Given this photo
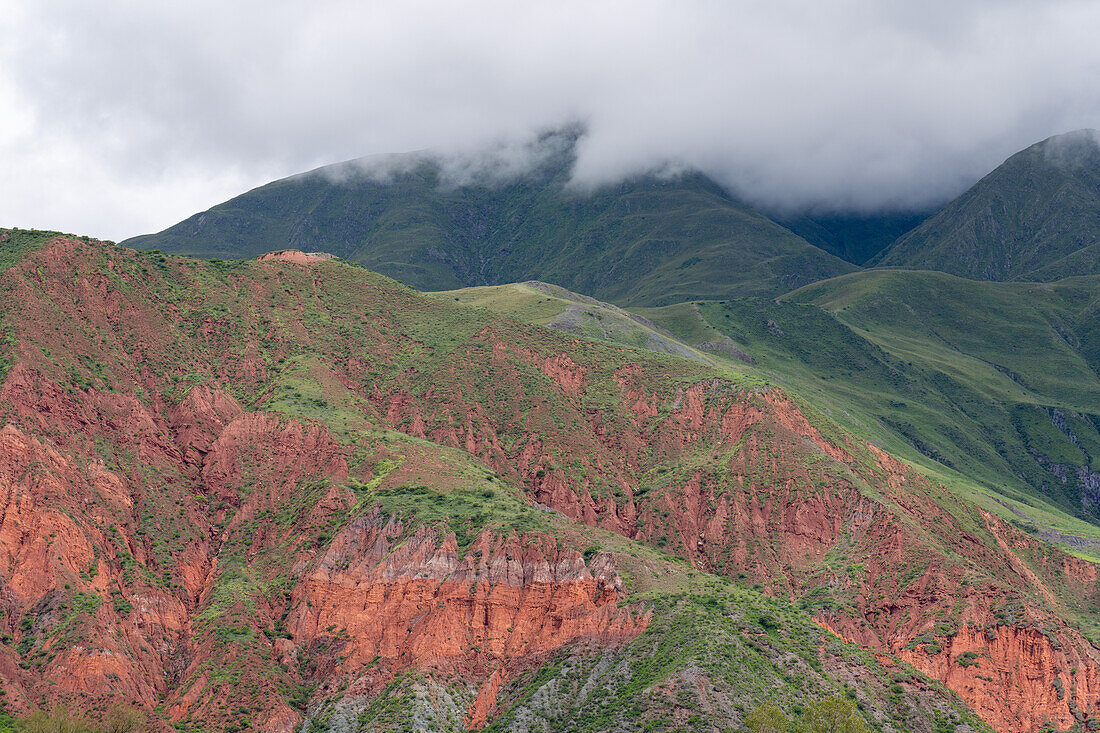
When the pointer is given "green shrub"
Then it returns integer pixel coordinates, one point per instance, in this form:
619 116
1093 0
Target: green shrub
768 622
118 719
767 718
832 715
967 659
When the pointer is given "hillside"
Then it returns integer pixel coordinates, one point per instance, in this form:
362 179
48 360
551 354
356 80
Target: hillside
243 495
1036 217
561 310
990 386
853 237
649 240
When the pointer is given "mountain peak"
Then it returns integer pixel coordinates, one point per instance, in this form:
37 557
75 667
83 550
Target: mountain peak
1033 218
1071 151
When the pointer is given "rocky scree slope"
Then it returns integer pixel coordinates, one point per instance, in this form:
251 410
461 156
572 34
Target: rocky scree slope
251 493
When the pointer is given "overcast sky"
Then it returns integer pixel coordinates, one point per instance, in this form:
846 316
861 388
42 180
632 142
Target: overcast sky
120 117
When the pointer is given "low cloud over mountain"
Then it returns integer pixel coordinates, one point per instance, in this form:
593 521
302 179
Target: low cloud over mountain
126 117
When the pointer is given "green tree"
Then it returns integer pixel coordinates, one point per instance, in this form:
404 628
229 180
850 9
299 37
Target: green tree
833 715
767 718
58 720
124 719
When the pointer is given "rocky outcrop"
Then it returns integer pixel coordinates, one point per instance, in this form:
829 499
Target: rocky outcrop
1018 679
296 256
422 603
392 603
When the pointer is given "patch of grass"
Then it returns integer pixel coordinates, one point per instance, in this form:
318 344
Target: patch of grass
466 512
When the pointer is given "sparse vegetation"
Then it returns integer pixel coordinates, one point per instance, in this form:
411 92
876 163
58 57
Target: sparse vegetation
117 719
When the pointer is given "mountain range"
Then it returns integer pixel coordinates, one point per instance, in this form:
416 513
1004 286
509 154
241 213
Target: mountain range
651 239
645 458
648 240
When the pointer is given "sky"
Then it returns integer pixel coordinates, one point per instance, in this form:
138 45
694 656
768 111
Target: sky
122 117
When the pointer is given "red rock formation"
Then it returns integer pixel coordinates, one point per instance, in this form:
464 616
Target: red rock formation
1016 679
296 256
419 603
49 556
505 603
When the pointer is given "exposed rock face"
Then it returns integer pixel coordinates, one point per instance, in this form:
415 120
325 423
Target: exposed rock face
503 605
1014 678
405 601
502 599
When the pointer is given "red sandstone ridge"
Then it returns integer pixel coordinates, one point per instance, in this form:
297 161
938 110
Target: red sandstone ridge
296 256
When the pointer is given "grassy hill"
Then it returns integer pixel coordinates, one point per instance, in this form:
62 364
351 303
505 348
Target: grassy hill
648 240
557 308
1036 217
989 382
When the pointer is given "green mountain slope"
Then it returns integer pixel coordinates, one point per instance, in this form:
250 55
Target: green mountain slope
995 381
1036 217
557 308
853 237
648 240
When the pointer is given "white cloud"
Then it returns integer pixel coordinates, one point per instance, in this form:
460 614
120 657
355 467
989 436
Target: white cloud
126 116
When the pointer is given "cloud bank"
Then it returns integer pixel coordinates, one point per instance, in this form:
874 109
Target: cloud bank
124 117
